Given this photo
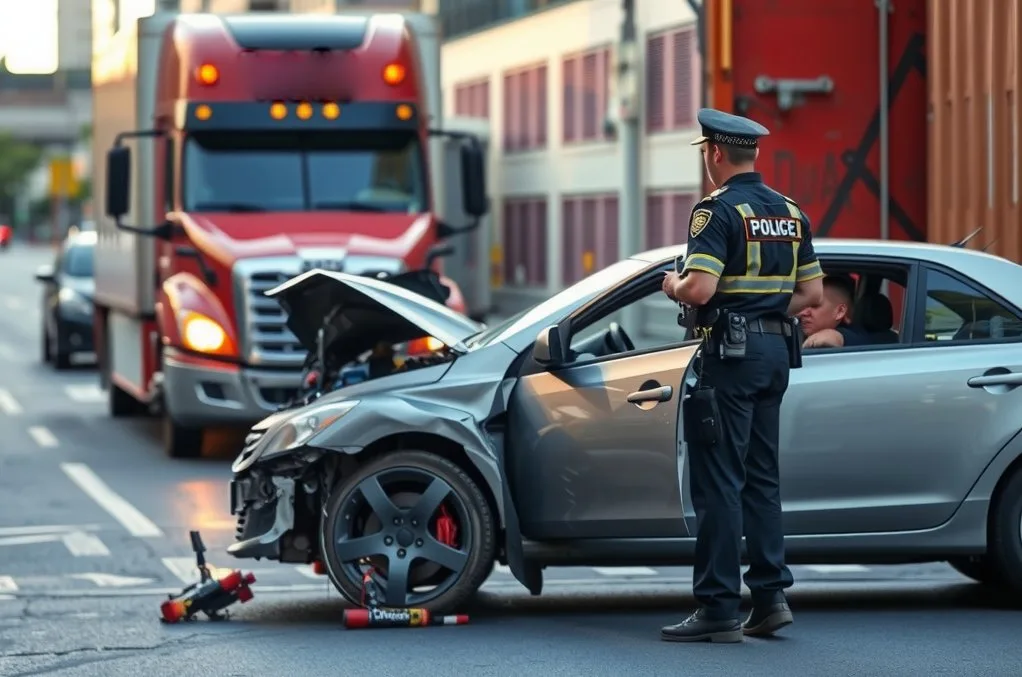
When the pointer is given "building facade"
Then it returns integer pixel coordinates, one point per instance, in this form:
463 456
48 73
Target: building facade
544 80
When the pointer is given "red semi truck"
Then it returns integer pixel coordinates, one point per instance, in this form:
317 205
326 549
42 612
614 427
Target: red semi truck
264 146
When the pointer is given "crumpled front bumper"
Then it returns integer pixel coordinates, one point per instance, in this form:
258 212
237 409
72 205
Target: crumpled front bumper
265 507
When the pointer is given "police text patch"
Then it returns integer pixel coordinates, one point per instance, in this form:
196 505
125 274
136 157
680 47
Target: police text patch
773 229
700 218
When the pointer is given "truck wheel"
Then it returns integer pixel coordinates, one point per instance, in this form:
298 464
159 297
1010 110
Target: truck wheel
418 523
46 347
1005 545
181 441
120 403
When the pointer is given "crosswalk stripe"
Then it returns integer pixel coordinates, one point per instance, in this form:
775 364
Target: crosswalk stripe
88 392
81 544
625 571
836 568
7 584
306 570
182 567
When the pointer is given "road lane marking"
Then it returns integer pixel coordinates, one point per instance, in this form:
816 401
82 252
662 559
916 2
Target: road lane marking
81 544
86 393
502 569
30 540
306 570
836 568
12 302
182 567
43 437
625 571
7 585
128 515
8 404
48 529
112 580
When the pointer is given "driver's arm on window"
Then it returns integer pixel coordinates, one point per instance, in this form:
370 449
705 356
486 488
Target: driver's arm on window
706 256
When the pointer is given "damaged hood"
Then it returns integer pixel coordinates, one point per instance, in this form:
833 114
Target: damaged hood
356 312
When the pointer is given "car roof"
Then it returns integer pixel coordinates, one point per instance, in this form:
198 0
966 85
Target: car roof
990 270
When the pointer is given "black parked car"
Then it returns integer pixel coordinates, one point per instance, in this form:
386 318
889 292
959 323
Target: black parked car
67 300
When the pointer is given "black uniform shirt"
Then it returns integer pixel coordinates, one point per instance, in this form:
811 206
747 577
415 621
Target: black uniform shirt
756 241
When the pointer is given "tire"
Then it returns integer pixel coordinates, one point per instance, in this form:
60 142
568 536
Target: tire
181 441
347 516
1005 547
980 569
45 345
61 361
120 403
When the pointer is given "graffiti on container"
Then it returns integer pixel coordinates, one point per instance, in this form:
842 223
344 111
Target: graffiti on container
807 183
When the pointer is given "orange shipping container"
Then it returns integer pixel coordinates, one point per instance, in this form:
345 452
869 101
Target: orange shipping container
974 119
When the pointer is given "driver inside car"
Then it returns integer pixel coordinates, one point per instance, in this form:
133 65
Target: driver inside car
828 324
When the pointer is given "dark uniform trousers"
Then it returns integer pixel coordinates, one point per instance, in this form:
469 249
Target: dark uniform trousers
733 489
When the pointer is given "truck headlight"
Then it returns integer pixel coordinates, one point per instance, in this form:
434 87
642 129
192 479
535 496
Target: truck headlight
295 432
204 335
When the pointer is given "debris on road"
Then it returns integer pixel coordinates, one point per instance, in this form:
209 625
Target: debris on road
374 616
209 595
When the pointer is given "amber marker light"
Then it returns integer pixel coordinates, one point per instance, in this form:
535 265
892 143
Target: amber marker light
203 112
394 74
207 74
278 111
404 112
304 111
331 111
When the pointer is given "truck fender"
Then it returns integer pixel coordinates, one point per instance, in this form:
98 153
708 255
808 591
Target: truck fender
184 292
362 426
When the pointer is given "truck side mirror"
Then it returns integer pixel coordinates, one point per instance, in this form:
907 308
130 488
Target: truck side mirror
118 181
473 181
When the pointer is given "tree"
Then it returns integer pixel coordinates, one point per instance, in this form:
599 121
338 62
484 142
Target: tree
17 160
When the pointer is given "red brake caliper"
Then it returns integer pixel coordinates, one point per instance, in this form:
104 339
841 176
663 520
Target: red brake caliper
446 528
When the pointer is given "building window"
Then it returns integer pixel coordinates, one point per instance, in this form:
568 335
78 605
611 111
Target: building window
472 99
525 109
667 217
458 17
671 79
525 242
589 239
586 84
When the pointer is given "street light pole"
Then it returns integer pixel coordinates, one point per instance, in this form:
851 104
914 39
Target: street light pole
630 213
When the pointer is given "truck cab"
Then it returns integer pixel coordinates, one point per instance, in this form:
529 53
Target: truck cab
263 146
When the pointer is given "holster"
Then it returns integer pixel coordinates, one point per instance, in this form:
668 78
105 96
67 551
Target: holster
794 338
701 417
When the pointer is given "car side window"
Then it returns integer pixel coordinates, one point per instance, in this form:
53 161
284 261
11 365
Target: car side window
957 311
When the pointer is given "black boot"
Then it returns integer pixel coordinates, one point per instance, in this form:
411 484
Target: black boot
766 619
699 628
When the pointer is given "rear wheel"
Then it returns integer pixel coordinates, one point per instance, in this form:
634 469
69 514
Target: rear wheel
1005 546
181 441
417 524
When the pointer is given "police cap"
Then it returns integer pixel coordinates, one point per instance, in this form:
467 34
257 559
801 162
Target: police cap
727 129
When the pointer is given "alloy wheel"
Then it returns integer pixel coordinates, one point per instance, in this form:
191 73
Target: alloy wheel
406 529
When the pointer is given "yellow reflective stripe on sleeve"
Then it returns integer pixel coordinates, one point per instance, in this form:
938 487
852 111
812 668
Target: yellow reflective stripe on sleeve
753 250
809 271
704 263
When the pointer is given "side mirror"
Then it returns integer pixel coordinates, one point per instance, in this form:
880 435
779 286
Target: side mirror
118 181
438 251
473 181
44 274
547 349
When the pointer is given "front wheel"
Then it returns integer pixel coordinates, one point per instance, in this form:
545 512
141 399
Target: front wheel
416 523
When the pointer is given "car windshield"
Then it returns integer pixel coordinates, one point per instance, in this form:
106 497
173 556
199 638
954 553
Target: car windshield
78 261
307 171
577 294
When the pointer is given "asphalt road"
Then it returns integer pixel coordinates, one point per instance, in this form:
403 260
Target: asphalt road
93 532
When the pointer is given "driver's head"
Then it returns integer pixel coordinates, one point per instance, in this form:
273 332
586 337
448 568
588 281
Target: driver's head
835 307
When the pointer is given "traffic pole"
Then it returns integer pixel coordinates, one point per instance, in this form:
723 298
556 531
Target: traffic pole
630 225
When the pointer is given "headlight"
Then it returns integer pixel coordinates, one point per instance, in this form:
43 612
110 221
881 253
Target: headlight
296 431
363 265
73 302
203 334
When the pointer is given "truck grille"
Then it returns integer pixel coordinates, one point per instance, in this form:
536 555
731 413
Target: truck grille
266 340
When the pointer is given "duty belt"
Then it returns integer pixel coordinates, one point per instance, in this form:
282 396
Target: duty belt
768 325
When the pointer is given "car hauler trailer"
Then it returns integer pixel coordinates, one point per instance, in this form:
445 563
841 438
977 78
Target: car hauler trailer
264 145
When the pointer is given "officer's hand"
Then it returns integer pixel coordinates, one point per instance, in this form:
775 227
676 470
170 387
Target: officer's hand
671 280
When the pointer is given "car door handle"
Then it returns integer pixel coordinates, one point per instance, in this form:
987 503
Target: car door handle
1009 379
661 394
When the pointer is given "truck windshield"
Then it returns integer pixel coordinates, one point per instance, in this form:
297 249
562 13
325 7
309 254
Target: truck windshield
307 171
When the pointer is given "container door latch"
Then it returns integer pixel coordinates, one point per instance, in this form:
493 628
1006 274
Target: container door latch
790 91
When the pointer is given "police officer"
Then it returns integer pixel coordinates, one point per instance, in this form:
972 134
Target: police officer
750 267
